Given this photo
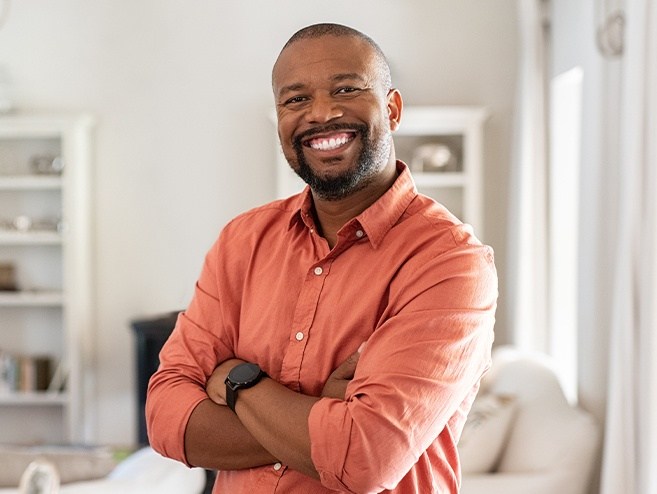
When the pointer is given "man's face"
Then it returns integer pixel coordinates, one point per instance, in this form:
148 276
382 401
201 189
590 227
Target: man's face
333 114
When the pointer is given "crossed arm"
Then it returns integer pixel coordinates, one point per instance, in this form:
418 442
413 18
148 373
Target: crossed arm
414 384
270 423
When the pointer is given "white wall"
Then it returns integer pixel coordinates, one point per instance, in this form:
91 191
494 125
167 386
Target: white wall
182 94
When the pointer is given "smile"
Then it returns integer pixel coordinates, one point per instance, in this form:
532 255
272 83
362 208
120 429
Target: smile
330 143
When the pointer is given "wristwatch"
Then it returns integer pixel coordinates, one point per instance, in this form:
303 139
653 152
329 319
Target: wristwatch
241 376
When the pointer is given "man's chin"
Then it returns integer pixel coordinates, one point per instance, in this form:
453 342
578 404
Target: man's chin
330 165
332 173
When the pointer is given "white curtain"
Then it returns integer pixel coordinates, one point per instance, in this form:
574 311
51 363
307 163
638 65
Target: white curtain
527 245
630 452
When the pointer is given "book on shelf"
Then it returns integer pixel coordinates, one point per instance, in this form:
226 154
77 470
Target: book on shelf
58 378
23 373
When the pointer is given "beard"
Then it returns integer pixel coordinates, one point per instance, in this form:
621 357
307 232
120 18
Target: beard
372 158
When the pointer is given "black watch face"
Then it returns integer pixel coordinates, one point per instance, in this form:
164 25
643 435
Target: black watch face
244 373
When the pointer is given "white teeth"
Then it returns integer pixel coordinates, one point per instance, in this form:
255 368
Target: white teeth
328 144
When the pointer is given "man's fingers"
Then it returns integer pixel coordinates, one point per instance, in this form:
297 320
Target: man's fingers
347 368
336 385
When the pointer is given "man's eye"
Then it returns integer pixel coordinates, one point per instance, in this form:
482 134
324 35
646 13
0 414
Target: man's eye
296 99
346 90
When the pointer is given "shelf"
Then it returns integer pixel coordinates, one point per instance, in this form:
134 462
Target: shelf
31 298
446 120
52 259
439 179
30 182
44 398
8 237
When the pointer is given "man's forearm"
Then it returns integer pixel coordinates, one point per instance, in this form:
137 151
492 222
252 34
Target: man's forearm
216 439
270 423
269 417
277 417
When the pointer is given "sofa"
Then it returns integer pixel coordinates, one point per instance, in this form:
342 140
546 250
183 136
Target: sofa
143 472
522 435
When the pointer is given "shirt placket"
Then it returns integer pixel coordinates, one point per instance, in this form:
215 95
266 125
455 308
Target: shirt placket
304 316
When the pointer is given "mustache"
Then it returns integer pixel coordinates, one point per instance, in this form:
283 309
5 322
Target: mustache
358 128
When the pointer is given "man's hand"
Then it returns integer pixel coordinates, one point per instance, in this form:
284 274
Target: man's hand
216 385
336 385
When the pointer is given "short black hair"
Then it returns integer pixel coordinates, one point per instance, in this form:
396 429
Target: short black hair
339 30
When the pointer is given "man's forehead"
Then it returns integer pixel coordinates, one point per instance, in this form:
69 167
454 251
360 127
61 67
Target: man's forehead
304 54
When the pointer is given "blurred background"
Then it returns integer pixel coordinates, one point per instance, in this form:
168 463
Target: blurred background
184 140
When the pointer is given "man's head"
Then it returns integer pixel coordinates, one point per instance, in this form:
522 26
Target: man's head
336 109
319 30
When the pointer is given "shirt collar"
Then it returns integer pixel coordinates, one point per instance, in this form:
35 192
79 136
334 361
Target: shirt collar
379 218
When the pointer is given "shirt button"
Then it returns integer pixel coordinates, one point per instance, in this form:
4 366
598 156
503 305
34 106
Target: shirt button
318 270
299 336
277 466
359 233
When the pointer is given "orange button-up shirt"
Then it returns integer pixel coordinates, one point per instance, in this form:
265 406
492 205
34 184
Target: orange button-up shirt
405 276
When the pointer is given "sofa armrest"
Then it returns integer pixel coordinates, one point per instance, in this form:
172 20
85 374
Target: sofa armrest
512 483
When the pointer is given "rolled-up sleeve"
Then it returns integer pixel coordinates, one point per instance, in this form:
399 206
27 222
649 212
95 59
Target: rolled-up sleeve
418 368
197 344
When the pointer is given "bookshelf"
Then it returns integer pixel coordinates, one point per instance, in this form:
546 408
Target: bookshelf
46 303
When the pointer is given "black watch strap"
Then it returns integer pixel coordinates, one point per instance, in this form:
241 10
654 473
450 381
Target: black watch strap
231 397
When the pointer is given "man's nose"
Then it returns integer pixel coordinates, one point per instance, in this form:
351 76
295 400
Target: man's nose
323 108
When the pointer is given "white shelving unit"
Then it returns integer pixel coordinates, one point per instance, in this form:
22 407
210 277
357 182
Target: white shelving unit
50 314
459 129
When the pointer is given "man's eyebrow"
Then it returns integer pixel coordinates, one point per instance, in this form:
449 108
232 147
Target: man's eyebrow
291 88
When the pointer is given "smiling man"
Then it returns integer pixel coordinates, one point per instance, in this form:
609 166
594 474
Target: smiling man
332 112
336 338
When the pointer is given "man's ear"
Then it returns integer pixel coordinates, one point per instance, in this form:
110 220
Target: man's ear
395 105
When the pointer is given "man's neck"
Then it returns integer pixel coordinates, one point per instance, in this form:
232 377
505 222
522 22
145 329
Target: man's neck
333 215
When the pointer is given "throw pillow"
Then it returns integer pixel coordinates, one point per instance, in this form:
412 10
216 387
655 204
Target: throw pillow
485 432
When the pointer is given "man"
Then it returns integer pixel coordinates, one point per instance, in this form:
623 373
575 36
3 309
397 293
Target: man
347 327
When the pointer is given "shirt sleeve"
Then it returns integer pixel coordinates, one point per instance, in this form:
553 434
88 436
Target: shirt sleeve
417 370
190 355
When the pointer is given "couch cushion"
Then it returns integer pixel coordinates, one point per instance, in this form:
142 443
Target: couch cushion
72 463
485 432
